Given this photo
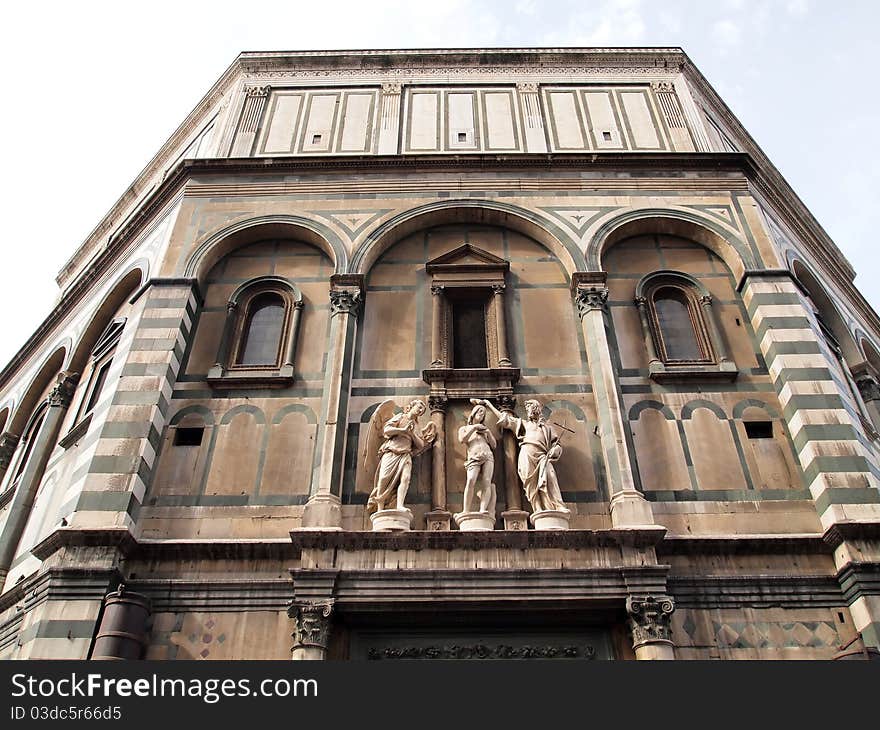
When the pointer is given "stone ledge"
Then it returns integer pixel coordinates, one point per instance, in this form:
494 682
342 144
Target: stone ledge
840 532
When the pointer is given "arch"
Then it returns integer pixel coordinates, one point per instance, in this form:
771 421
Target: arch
486 212
829 314
30 400
689 408
723 242
258 414
241 233
869 351
740 408
667 275
206 413
644 405
124 286
280 414
262 281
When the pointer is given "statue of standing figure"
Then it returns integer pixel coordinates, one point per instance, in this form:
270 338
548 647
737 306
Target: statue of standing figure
402 438
539 449
480 462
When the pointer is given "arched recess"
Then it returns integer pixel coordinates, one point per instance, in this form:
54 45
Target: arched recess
870 353
119 293
673 222
41 381
4 417
484 212
242 233
829 315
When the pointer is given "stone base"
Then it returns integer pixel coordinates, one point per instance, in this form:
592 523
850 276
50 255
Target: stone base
551 519
631 509
438 520
515 519
322 512
391 520
475 521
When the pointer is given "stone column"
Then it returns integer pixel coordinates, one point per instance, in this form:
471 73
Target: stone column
311 629
647 335
439 517
501 326
714 331
389 124
225 341
44 442
249 123
436 326
8 443
515 517
292 335
649 618
323 510
629 508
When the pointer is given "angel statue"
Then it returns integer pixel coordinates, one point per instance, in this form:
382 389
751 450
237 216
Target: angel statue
480 462
539 448
402 438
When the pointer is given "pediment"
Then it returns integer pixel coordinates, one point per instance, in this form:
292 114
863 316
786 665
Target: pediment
467 258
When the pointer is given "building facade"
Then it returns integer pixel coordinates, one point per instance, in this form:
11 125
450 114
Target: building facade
189 440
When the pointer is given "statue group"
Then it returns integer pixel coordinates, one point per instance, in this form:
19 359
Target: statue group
401 437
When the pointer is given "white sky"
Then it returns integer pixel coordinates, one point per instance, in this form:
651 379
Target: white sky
94 88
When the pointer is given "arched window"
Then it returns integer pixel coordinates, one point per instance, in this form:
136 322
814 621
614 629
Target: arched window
25 447
681 335
259 338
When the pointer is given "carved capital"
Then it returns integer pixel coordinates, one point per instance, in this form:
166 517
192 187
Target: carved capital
868 387
345 301
498 289
437 289
65 387
706 300
649 618
311 623
589 298
438 403
391 89
506 402
527 88
298 304
231 307
8 442
260 92
666 86
641 302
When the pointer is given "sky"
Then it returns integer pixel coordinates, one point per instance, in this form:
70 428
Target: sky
93 89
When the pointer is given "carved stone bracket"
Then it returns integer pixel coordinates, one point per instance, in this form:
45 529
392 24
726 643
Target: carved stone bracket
311 623
258 91
649 618
589 298
8 443
65 387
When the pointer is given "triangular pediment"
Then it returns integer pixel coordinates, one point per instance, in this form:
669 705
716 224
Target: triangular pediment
467 256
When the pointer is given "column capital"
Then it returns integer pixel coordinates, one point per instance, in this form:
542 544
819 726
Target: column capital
506 402
345 301
62 393
498 289
527 87
438 403
649 618
311 623
589 298
392 89
258 91
437 289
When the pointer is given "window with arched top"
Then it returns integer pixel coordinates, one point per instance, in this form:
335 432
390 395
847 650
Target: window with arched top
259 338
681 335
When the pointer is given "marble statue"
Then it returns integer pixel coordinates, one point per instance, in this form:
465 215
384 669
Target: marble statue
539 449
479 467
401 437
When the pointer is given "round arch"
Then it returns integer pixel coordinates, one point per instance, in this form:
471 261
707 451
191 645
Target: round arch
870 353
30 400
673 222
486 212
828 311
124 286
242 233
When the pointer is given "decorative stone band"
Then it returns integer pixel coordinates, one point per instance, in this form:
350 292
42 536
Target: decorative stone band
311 623
822 418
649 618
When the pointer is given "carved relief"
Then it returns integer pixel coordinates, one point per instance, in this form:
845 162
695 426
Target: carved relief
482 651
590 298
311 622
345 301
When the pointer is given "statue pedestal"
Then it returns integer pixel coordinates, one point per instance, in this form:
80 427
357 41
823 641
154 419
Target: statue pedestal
515 519
438 520
551 519
391 520
475 521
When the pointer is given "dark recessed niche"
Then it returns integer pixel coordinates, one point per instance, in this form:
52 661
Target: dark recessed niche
188 436
759 429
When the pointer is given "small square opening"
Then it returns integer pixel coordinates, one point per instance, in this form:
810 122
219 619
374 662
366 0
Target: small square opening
759 429
188 436
462 136
606 136
316 139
